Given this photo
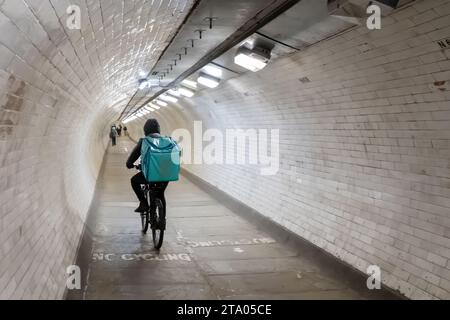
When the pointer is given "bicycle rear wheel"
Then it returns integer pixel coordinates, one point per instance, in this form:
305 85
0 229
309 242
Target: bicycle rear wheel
158 225
145 220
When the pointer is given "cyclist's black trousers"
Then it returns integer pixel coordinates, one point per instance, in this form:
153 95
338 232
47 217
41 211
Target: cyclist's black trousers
139 179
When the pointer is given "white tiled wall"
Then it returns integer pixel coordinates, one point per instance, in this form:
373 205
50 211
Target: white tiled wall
365 146
55 84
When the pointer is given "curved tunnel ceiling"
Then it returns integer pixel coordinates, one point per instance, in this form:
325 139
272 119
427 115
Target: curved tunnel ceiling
364 127
210 30
99 63
214 31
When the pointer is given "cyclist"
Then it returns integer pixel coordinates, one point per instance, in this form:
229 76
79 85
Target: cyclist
152 129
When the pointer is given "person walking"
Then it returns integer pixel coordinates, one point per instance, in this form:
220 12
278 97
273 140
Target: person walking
113 135
125 131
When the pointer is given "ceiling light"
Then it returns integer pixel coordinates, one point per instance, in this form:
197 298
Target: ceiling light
155 106
190 83
208 81
143 83
169 98
252 59
161 103
129 119
213 71
142 74
174 92
186 92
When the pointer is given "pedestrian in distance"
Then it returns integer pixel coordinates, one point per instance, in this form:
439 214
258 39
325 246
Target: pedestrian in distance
113 135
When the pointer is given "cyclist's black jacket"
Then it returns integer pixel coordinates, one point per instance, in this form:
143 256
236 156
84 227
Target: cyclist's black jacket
136 153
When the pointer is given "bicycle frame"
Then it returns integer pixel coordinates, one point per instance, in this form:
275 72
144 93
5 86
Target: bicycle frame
155 216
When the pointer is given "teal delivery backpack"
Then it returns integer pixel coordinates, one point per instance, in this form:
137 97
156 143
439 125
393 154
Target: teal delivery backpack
160 159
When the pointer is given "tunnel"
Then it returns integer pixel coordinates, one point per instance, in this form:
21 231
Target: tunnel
314 139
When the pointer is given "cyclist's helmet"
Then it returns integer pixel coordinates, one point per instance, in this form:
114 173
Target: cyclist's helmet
151 126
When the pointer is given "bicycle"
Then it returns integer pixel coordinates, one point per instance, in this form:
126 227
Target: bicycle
155 217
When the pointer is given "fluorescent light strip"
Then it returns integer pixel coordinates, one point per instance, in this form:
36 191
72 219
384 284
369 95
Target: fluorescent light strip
190 83
174 92
144 84
208 81
186 92
169 98
161 103
249 62
213 71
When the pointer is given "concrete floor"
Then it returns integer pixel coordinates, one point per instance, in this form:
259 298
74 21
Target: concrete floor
209 252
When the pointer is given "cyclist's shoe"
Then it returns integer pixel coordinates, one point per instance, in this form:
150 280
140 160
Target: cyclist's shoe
143 207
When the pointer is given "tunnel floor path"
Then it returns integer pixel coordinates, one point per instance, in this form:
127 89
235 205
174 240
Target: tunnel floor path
209 252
